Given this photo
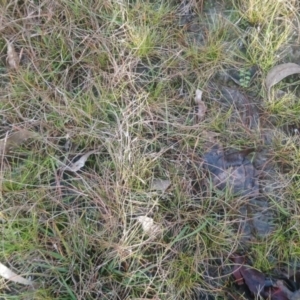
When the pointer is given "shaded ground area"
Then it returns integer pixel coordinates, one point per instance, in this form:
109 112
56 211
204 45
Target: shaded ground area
143 155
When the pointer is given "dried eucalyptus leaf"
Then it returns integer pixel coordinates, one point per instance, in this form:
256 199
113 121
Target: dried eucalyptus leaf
280 72
13 59
15 140
6 273
76 166
201 106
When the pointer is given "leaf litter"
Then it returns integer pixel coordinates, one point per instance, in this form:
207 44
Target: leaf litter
201 106
80 163
13 59
15 139
280 72
6 273
259 285
232 170
148 225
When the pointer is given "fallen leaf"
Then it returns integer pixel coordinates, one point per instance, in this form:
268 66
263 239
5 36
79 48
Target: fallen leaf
160 185
76 166
254 279
12 56
239 280
10 275
15 140
148 224
282 292
231 170
3 217
67 145
280 72
257 283
201 106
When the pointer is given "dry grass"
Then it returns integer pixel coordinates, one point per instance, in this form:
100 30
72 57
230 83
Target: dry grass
120 77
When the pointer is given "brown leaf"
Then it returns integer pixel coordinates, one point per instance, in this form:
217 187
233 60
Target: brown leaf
201 106
12 56
256 282
281 292
239 261
239 280
15 140
254 279
279 72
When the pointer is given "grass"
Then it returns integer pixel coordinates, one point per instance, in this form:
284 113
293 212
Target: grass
120 77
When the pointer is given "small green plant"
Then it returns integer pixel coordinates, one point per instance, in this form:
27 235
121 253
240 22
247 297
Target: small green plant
245 77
